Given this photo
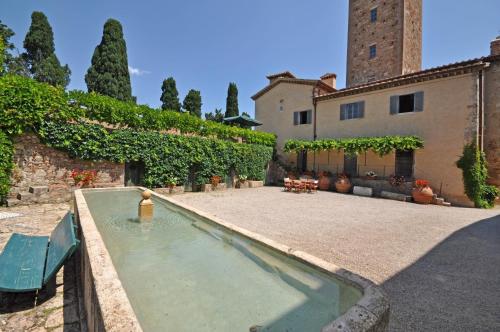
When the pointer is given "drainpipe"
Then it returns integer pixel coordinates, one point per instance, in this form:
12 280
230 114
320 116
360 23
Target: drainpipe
480 134
315 135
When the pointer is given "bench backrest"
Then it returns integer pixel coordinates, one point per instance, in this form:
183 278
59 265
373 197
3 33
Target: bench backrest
62 244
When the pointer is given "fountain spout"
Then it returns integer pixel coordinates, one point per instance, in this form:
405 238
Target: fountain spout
146 206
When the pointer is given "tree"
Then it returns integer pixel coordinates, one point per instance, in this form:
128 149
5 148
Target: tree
40 54
108 73
11 64
232 101
192 103
216 117
170 95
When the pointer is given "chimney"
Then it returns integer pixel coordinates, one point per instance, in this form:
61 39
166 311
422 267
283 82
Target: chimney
330 79
495 46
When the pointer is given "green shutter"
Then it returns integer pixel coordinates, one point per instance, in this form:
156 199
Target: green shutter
394 104
418 102
361 109
296 118
342 112
309 116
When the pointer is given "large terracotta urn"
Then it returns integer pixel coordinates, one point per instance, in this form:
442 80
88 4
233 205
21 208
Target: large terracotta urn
422 195
324 182
343 185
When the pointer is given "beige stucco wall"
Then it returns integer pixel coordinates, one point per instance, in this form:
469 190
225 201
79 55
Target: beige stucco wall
446 124
296 97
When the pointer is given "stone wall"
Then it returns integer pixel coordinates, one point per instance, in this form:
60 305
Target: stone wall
397 34
43 174
492 121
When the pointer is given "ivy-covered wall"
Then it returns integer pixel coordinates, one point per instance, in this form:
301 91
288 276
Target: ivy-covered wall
67 121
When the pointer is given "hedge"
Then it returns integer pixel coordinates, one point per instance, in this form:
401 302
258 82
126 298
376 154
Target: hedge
25 102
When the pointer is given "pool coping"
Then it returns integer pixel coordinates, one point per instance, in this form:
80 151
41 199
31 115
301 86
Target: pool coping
370 313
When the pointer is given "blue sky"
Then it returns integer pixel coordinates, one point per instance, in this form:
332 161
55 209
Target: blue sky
207 44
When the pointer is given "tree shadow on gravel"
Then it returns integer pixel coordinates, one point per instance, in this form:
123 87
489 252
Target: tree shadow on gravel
454 287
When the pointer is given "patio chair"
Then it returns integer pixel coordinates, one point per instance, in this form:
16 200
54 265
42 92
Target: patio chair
299 186
288 184
312 186
27 263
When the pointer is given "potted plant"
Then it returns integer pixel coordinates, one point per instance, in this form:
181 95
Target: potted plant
396 180
242 179
343 184
84 179
422 193
171 182
370 175
214 181
324 180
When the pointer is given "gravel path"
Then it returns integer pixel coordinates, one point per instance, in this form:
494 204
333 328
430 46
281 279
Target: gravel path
440 266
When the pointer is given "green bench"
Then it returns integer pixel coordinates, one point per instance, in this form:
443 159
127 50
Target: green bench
27 263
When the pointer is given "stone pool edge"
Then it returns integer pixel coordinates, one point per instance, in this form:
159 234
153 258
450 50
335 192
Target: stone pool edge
105 302
108 308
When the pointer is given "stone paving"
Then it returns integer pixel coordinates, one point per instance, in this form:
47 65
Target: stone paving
56 307
439 265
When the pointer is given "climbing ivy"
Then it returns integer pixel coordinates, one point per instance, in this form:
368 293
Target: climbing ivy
380 145
6 165
475 173
165 156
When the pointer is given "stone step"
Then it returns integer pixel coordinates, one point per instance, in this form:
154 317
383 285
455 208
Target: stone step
24 196
38 190
13 202
446 204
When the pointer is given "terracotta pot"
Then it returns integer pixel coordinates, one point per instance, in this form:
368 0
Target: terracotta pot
324 183
343 185
422 195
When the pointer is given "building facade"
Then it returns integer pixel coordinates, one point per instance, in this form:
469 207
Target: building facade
447 106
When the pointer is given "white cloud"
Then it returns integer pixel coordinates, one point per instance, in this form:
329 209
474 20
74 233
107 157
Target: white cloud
137 71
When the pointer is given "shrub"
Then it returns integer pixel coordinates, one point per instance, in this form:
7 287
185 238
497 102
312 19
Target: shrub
6 165
475 173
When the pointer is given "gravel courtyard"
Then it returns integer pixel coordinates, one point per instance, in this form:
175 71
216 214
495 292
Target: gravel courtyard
440 266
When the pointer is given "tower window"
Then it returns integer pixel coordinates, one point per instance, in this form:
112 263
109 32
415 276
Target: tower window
373 15
281 106
373 51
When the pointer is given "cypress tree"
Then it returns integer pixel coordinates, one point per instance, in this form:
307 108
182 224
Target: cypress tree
170 95
192 103
216 117
232 101
108 73
40 53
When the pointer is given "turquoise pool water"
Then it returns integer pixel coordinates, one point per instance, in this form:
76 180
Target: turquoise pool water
183 273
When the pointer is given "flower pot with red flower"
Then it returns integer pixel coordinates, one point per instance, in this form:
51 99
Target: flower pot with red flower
84 179
343 184
422 193
324 180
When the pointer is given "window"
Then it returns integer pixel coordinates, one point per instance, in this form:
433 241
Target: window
373 15
281 107
407 103
352 111
300 118
373 51
404 163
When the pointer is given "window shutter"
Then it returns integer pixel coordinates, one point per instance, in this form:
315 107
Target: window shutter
296 118
309 117
394 104
418 102
361 109
342 111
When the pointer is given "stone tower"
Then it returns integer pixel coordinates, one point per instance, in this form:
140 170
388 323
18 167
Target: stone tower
384 39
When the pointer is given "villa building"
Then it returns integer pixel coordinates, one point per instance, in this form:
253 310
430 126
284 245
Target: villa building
387 93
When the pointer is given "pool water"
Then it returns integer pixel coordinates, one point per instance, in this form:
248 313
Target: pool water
184 273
